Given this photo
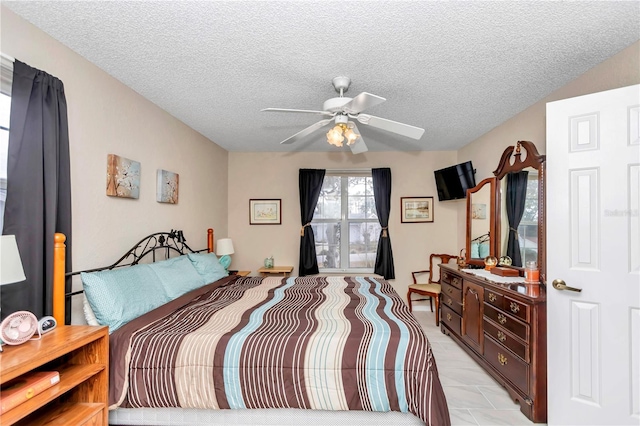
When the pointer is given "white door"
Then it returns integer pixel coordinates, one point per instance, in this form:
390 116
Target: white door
593 243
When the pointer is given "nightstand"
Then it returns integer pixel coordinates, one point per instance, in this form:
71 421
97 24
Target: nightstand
80 353
242 273
276 270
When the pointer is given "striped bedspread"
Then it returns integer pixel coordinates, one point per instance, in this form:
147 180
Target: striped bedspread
326 343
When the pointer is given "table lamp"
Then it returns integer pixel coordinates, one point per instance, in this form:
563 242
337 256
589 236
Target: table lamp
10 264
224 249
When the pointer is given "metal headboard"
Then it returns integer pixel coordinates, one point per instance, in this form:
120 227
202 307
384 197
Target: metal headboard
162 242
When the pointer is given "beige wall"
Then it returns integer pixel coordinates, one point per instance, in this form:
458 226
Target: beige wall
107 117
275 175
622 69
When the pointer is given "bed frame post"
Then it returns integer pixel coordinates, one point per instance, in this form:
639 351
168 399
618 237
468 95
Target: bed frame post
210 247
59 259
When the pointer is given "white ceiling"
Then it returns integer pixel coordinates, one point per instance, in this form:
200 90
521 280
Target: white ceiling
457 69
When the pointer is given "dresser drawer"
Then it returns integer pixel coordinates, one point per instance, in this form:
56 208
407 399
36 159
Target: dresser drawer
493 298
516 308
450 303
509 365
506 339
451 319
505 320
452 279
452 292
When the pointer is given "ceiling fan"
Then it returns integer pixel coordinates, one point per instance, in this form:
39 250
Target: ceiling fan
340 110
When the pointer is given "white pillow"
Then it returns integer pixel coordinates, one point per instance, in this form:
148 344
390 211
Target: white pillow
89 316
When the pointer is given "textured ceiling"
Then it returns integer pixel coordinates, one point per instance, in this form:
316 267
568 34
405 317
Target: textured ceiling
457 69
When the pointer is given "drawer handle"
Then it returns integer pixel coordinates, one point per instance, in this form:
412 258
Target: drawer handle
450 302
502 319
502 359
492 297
449 318
514 307
450 291
456 281
501 336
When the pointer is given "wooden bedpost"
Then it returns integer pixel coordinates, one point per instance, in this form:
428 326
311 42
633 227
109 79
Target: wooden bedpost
210 247
59 259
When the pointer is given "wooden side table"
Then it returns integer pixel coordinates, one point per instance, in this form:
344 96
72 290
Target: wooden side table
80 353
276 270
241 273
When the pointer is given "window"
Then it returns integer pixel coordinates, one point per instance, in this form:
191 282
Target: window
345 223
5 110
528 228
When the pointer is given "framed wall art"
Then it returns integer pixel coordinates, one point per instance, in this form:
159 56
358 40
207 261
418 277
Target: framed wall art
123 177
167 187
416 209
265 211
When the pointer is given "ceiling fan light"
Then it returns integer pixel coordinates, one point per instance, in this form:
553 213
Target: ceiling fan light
334 136
351 136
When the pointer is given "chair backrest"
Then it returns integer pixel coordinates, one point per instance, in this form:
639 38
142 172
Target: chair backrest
434 261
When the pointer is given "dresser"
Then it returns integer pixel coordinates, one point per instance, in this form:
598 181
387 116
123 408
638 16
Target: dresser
503 327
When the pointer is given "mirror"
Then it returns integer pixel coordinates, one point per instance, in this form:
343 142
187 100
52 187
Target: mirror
481 222
520 216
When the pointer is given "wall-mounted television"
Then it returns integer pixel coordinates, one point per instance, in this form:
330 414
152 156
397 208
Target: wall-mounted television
453 182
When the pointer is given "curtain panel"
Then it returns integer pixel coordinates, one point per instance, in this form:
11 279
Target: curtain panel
38 186
515 201
382 194
310 185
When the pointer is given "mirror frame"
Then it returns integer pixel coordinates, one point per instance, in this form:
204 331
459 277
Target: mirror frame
508 165
493 214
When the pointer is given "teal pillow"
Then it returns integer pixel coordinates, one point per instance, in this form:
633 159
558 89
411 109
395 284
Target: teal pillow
483 250
178 276
121 295
208 266
475 250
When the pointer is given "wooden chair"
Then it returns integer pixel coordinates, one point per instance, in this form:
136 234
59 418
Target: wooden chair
430 289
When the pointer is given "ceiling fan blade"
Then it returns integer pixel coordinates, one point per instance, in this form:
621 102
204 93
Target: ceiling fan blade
308 111
305 132
361 102
359 146
391 126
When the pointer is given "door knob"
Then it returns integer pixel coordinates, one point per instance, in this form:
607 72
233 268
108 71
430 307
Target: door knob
561 285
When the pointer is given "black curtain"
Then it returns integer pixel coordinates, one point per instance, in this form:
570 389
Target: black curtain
382 193
310 184
38 186
515 200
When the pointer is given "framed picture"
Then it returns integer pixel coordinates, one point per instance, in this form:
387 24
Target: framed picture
265 212
167 187
416 209
123 177
478 211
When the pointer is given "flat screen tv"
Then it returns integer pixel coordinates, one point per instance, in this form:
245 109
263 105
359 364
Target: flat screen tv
453 182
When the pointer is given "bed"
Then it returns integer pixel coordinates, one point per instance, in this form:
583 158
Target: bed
253 350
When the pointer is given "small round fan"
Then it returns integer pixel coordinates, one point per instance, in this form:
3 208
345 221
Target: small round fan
18 327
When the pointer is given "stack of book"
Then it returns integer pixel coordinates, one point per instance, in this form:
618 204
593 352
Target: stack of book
25 387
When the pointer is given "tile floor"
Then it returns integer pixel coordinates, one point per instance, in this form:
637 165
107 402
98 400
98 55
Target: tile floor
473 396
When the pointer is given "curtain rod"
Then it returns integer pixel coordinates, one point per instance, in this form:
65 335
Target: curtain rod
7 57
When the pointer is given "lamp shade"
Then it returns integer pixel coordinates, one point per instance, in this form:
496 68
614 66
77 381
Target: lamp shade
225 247
10 264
